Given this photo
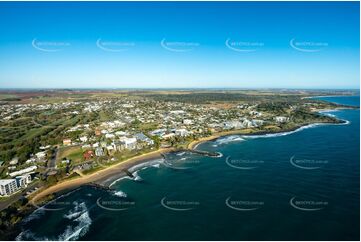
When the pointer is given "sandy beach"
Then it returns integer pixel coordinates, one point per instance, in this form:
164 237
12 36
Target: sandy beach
192 145
97 177
114 172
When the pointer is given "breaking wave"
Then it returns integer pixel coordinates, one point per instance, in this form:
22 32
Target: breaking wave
134 170
283 133
228 139
136 176
145 165
181 153
40 211
345 122
79 215
156 165
120 194
118 180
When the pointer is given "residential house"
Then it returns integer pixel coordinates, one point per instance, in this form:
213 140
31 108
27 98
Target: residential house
182 132
14 161
30 161
233 125
281 119
88 154
257 122
158 132
67 142
86 146
83 139
142 138
111 148
41 155
99 151
247 123
177 112
110 136
120 133
187 121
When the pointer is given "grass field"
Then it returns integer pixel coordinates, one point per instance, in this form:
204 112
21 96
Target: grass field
74 153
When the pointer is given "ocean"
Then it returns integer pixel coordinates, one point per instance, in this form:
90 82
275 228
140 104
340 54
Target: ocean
301 185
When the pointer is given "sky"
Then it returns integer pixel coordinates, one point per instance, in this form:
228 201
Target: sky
179 45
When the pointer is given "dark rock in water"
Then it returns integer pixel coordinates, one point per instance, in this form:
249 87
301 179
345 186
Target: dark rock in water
163 155
128 173
205 153
99 186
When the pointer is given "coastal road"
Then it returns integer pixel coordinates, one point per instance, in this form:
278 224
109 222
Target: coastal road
6 202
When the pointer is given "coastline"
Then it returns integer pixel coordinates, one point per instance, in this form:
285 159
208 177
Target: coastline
194 144
101 175
115 171
345 95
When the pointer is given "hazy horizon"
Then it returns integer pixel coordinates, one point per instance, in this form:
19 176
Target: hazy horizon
175 88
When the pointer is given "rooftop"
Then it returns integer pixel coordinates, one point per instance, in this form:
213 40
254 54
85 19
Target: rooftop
6 181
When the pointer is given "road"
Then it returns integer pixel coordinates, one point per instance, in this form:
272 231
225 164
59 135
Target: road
6 202
52 161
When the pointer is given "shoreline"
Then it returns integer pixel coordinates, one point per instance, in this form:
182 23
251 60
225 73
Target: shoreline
320 96
101 175
115 171
194 144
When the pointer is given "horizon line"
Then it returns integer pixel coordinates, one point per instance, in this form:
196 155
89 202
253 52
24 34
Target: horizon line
177 88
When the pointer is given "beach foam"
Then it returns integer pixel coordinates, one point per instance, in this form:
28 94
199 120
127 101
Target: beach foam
84 222
284 133
134 170
76 211
137 177
228 139
78 214
153 163
156 165
118 180
181 153
120 193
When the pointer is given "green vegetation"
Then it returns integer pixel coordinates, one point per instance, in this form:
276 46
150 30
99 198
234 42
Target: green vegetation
46 118
74 153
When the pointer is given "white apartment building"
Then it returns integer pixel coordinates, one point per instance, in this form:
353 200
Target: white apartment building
23 181
129 143
281 119
23 171
8 187
181 132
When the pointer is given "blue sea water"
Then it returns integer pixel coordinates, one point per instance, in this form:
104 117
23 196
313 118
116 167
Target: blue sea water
300 185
